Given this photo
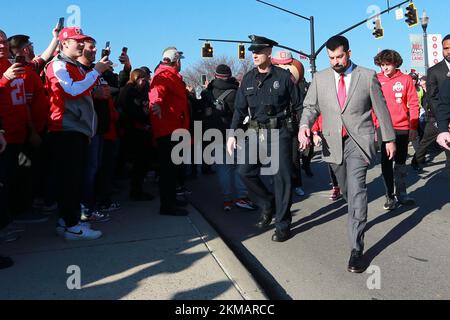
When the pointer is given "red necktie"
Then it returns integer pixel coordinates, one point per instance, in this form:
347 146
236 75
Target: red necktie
342 96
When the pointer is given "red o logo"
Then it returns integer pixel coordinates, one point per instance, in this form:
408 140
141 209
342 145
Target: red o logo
436 61
435 54
435 46
434 38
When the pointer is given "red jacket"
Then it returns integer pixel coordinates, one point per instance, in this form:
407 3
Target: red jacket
22 101
71 104
112 133
402 100
169 91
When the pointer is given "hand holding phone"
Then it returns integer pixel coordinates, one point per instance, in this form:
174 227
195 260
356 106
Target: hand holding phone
107 51
124 56
21 60
60 25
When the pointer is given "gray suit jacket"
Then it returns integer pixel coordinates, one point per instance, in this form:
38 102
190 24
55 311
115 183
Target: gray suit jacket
364 95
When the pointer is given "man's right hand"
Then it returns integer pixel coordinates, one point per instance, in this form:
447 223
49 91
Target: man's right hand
125 60
15 71
304 138
444 140
103 65
231 145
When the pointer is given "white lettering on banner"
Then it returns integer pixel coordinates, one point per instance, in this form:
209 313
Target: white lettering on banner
417 51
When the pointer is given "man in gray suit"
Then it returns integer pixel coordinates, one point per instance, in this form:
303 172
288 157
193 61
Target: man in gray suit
345 95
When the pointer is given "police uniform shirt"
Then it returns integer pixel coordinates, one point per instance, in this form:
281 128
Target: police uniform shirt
259 92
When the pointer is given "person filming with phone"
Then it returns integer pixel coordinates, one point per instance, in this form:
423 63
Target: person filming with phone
72 123
20 45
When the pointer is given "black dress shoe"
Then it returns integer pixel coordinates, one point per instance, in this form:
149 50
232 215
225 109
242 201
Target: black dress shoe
356 263
281 236
265 221
174 212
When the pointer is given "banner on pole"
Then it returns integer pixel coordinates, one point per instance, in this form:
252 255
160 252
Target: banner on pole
434 49
417 51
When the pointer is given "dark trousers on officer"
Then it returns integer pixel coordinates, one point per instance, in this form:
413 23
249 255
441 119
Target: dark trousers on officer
279 203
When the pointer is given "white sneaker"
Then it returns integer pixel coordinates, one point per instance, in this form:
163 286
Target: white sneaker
81 233
61 227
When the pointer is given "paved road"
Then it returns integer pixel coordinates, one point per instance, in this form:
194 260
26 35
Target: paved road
410 247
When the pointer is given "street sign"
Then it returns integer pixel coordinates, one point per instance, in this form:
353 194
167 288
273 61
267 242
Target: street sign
399 14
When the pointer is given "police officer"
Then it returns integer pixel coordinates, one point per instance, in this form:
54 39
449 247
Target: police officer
268 100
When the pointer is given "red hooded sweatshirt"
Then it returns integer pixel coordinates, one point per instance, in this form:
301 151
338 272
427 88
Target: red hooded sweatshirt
402 100
169 91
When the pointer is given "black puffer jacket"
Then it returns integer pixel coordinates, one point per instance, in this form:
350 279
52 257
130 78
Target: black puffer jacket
219 119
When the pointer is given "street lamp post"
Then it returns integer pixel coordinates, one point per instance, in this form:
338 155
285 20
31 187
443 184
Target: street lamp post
424 21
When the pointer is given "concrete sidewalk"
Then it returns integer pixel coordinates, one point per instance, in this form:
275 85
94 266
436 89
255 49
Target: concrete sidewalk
142 255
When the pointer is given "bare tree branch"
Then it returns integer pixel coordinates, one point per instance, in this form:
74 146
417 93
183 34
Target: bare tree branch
193 75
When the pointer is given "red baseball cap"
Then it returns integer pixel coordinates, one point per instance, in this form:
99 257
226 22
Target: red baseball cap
74 33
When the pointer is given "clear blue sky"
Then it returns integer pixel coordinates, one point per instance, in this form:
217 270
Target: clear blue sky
147 27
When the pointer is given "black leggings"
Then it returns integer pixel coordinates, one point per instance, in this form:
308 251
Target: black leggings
387 166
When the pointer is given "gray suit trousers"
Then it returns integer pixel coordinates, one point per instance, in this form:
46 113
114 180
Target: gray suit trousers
352 176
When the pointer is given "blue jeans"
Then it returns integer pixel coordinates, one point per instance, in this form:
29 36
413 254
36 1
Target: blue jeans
226 174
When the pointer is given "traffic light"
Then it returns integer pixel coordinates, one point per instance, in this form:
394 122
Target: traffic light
241 52
412 18
378 30
207 51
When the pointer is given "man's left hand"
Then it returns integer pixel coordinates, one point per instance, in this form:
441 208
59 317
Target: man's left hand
391 150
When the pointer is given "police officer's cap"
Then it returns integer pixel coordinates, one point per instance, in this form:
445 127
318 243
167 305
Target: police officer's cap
260 43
